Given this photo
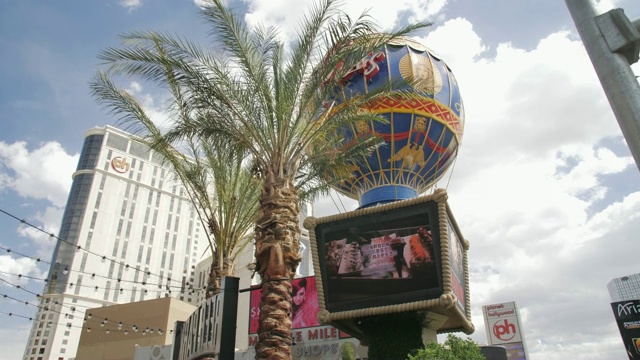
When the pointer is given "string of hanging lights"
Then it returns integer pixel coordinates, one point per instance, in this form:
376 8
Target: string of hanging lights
103 258
121 326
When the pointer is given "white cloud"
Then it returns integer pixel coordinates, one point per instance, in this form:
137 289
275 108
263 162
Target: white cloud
14 271
43 173
529 171
152 104
49 221
286 14
130 4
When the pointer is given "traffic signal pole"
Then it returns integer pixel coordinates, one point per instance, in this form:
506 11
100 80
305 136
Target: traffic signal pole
612 42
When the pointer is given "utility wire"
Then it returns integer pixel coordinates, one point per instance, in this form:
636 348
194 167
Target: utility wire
78 247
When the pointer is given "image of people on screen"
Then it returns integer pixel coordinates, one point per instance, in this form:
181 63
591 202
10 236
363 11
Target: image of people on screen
390 254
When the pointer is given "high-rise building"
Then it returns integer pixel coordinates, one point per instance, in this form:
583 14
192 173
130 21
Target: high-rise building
624 288
128 233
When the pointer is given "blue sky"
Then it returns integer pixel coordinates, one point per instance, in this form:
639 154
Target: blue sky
544 187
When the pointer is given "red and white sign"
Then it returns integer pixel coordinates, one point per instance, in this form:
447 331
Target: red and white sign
502 323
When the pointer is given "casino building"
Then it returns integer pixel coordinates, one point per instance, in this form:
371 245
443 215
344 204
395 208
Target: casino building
624 288
128 233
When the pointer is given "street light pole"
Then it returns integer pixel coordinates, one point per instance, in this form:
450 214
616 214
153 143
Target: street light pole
612 42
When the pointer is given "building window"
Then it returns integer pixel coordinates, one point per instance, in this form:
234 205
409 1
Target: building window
117 142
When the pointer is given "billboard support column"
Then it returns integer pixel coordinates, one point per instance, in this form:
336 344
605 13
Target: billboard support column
380 330
434 322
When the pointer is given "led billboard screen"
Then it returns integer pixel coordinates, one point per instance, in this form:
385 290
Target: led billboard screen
456 260
627 314
381 258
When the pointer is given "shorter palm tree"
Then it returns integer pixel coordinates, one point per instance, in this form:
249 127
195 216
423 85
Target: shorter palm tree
216 178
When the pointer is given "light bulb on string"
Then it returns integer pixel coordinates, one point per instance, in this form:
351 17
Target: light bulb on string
104 258
88 329
66 270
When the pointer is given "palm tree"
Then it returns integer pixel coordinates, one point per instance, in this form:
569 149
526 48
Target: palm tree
221 187
271 100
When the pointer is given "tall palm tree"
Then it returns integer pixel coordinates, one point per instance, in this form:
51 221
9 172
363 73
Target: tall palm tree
216 178
271 100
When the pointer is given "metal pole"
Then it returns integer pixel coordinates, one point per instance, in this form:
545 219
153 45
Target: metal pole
599 33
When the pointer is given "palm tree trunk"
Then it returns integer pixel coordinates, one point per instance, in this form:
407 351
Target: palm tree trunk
277 258
213 282
216 273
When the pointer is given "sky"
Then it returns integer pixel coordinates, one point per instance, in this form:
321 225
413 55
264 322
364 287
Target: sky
544 187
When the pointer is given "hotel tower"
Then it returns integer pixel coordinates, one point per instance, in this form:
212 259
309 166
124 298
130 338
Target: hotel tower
128 233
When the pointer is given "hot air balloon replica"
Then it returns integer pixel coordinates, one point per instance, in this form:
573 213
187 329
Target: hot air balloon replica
424 129
399 260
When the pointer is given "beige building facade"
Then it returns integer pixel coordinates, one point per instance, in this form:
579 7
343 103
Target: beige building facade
117 338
